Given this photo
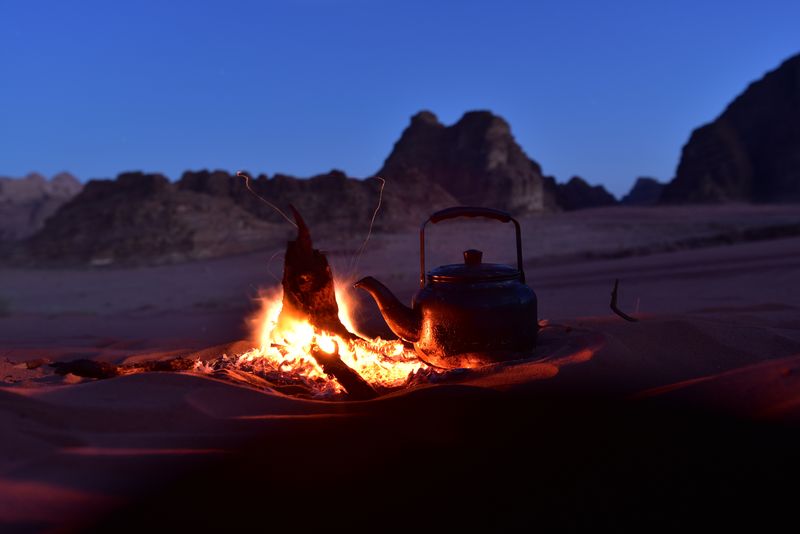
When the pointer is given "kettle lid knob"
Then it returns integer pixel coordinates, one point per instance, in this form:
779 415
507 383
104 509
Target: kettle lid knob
473 257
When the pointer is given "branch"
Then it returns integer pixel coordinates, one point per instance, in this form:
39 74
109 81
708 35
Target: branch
351 381
614 307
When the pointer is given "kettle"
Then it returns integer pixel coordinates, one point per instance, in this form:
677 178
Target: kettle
467 314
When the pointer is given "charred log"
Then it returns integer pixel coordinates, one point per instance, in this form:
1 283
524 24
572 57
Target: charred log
308 284
308 292
171 365
357 388
101 370
86 369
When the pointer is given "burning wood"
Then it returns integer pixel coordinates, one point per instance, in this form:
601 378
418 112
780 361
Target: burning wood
308 290
356 387
303 335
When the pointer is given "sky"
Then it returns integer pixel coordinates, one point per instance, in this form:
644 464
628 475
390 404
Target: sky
605 90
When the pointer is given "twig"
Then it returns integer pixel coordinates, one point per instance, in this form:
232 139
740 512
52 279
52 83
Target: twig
269 265
614 307
262 199
371 224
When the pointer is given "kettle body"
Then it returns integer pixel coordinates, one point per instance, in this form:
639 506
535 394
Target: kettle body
467 325
465 315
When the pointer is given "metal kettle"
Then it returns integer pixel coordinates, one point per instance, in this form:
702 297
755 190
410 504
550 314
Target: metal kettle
468 314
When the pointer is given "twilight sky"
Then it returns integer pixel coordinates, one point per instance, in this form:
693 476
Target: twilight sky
605 90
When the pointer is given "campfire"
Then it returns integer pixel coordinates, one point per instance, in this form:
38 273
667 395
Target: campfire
305 336
292 350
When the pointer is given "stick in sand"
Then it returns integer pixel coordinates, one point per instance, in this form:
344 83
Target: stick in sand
614 307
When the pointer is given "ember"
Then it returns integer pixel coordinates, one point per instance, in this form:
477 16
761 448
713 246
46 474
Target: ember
286 343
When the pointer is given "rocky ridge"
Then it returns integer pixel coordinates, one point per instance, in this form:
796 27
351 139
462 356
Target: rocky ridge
751 152
577 194
143 218
645 192
25 203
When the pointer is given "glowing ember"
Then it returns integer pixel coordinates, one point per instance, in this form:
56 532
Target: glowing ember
285 343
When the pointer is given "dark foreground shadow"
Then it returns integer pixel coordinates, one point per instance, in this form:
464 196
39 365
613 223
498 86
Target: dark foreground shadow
456 457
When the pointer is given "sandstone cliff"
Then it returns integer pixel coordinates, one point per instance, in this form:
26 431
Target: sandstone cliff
25 203
476 160
751 152
143 218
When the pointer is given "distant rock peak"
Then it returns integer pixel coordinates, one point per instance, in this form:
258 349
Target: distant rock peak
425 117
476 160
646 191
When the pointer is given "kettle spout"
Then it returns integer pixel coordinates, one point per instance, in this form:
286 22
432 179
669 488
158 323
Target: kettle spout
403 321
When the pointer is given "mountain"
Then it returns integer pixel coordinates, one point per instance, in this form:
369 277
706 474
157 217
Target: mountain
751 152
330 202
577 194
645 192
476 160
143 218
25 203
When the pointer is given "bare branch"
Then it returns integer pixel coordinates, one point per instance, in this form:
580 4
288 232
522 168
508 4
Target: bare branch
614 307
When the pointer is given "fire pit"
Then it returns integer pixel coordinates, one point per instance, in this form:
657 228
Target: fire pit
305 337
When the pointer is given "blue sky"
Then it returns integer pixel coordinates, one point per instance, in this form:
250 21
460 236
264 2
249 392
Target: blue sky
605 90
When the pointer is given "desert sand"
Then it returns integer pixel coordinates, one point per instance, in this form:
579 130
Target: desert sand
690 414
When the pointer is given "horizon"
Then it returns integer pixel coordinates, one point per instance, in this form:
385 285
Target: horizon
317 85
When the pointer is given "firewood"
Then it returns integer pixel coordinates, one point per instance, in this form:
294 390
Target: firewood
357 388
308 284
101 370
173 364
308 292
86 368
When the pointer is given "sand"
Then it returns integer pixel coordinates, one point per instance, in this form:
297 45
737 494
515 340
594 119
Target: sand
691 411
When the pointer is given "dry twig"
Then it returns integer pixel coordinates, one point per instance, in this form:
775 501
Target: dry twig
614 307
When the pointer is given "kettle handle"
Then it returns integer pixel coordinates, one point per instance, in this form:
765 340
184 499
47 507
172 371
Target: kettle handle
468 211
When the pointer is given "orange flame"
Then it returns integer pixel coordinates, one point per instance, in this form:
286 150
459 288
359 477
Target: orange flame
285 342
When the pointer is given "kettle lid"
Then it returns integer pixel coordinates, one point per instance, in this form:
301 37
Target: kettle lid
473 270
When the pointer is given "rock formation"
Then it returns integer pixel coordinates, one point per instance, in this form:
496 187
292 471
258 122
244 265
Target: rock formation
645 192
26 203
143 218
330 202
751 152
476 160
577 194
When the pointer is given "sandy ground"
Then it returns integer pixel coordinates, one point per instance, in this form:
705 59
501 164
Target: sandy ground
692 411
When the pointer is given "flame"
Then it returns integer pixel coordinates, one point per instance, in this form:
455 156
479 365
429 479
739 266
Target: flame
285 342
